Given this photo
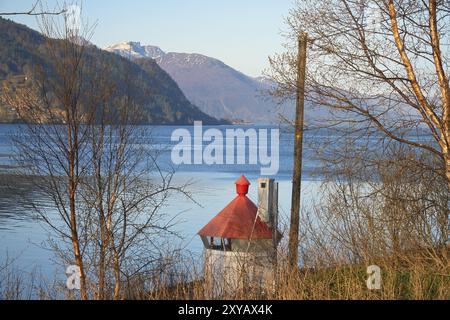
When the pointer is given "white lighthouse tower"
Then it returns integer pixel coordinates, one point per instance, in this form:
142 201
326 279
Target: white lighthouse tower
241 241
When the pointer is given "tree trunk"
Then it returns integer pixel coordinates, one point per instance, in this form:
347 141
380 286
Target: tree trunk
76 244
116 276
447 167
102 264
73 145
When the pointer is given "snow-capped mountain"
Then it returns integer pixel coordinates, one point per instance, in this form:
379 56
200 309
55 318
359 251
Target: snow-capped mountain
135 50
216 88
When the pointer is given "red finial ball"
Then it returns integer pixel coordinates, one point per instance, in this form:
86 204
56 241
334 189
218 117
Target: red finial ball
242 186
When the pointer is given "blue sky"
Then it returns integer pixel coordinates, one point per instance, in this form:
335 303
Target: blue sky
240 33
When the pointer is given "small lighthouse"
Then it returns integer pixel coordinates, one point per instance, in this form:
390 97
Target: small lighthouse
241 241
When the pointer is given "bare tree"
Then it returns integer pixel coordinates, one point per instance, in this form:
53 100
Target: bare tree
36 10
124 190
384 209
57 153
82 147
379 66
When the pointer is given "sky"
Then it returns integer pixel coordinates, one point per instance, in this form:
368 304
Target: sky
241 33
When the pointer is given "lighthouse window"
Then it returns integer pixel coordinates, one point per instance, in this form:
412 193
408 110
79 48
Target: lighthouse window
216 243
220 243
263 184
228 244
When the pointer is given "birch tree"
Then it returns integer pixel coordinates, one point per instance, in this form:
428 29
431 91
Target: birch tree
80 145
378 66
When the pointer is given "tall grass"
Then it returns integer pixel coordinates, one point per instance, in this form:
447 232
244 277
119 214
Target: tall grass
418 275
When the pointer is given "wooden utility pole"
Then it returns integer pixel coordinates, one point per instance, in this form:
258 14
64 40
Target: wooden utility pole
298 146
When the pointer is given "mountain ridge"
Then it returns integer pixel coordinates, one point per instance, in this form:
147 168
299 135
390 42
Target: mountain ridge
158 96
215 87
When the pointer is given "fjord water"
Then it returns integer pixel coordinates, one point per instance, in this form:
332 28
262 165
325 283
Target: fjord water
22 236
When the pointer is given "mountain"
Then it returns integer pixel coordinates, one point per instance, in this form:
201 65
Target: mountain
216 88
135 50
23 50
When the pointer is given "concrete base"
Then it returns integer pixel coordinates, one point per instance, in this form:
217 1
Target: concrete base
227 272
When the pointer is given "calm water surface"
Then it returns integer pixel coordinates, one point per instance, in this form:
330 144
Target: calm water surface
22 236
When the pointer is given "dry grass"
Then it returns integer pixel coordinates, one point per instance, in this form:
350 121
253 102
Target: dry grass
422 275
417 276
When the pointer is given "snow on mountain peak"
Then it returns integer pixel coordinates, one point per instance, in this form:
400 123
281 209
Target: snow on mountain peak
134 49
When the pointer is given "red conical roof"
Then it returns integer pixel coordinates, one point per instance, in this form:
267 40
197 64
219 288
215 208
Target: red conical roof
238 220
